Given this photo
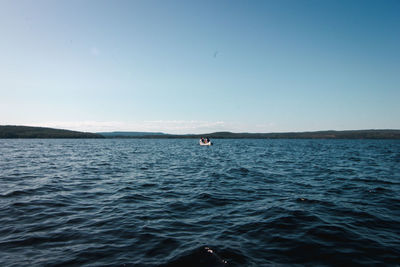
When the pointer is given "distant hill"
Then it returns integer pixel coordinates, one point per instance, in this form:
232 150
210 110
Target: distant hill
355 134
42 132
352 134
129 134
10 131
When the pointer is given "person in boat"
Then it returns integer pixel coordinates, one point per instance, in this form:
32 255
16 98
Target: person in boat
204 140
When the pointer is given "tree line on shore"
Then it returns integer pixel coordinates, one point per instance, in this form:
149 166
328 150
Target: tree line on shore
10 131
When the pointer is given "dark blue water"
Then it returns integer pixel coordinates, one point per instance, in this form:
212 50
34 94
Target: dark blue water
175 203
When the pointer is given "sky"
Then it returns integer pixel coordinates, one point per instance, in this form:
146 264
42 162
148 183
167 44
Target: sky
200 66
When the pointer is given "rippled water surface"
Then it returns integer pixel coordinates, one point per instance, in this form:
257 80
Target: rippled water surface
175 203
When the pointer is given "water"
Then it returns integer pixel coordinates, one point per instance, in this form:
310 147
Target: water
174 203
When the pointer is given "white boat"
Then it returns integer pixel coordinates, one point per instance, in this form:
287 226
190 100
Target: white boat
209 143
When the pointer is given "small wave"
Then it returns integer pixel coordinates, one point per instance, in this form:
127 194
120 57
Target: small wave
374 181
148 185
241 171
44 240
31 191
315 201
213 200
134 198
16 193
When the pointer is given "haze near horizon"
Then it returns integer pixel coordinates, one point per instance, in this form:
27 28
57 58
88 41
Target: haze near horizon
197 67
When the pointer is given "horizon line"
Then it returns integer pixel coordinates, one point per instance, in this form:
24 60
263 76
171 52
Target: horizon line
207 133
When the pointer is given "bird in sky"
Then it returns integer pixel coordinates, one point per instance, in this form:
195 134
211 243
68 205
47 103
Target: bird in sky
216 53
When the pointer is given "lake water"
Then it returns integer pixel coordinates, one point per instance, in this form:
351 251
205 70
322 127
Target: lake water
174 203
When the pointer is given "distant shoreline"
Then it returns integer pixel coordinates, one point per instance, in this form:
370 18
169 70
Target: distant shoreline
360 134
24 132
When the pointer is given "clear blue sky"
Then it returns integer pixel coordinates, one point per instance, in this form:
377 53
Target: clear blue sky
200 66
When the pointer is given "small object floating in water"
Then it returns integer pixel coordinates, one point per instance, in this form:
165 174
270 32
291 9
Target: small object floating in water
209 250
205 142
203 256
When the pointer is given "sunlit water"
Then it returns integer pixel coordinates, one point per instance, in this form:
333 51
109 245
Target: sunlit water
173 202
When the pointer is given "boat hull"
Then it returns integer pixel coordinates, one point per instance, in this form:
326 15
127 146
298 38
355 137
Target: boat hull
205 144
